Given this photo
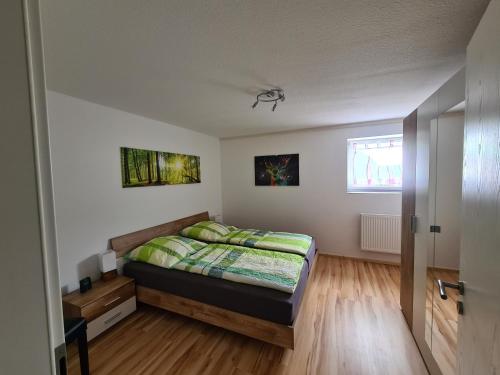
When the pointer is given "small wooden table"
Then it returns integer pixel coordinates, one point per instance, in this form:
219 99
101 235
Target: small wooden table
105 304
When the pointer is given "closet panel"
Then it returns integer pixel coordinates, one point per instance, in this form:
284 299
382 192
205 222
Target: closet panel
407 212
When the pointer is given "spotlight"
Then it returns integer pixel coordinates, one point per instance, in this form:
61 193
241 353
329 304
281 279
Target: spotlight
272 95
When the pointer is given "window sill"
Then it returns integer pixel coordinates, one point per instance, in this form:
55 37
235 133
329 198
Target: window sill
374 192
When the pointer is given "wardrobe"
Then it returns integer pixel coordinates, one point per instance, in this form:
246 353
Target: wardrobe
431 223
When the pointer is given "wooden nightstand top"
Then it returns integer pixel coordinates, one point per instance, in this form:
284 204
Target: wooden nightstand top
99 290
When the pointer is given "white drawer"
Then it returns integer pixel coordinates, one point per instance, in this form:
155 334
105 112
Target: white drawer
109 318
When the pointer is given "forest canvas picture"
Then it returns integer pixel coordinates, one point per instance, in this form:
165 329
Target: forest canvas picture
150 168
277 170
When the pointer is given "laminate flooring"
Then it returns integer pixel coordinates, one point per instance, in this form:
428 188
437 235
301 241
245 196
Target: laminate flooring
352 325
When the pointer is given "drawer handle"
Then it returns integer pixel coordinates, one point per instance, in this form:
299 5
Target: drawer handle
113 300
113 318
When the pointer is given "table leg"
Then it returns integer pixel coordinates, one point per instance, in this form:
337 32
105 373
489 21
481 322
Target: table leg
83 353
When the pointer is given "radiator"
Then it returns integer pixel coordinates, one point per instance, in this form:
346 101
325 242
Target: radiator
381 233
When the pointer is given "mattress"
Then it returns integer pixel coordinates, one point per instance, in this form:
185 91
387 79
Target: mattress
259 302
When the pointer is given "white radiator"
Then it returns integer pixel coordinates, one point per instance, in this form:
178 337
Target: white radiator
381 233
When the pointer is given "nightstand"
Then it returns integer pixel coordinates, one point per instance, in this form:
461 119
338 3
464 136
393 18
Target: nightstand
104 305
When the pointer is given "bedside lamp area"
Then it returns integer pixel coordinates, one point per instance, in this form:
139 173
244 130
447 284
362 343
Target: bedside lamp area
107 265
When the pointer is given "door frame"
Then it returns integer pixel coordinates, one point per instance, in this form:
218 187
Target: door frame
32 292
36 72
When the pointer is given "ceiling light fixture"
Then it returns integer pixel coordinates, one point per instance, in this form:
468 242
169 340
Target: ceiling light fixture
267 96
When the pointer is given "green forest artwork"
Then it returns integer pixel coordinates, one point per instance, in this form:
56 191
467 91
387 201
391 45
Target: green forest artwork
149 168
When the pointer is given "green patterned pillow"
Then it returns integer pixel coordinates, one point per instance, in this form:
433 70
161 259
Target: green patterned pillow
207 231
165 251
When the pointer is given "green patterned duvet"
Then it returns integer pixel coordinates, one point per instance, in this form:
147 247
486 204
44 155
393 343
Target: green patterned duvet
269 269
261 239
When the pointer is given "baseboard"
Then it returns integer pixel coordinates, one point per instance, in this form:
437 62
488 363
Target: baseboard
359 259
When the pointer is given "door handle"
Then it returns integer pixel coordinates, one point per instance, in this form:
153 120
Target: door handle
442 285
413 224
435 229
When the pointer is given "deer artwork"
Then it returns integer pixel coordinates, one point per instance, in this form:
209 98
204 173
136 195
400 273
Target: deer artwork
278 171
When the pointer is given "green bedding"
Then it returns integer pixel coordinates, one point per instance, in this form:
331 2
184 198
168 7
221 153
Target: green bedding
210 231
165 251
260 239
270 269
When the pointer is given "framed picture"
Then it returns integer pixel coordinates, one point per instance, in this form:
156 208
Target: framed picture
277 170
150 168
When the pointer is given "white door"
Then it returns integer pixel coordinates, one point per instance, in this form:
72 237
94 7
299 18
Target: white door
479 326
31 327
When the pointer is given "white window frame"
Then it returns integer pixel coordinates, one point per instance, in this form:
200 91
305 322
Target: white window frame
368 189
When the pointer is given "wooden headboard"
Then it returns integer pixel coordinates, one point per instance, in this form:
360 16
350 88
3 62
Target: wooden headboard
123 244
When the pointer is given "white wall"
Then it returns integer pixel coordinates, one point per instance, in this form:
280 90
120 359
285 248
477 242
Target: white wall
445 189
320 206
91 205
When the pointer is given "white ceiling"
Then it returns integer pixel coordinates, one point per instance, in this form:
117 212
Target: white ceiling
199 63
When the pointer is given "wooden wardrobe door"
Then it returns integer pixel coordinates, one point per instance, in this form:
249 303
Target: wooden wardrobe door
407 211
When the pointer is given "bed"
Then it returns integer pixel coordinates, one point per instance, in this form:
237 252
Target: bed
265 314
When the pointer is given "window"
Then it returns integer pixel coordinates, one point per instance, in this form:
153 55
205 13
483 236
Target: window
375 163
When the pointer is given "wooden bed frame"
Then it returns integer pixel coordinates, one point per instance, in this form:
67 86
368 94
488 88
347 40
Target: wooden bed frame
274 333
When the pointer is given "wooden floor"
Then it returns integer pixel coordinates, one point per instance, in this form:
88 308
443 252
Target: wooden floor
441 321
353 325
